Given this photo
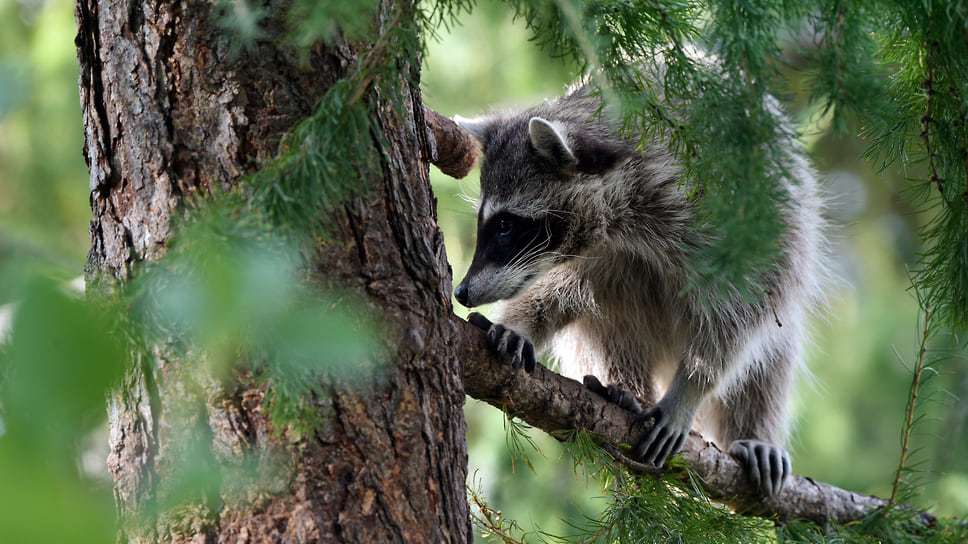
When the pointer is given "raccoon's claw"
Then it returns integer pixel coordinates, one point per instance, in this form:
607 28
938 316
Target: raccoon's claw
506 342
768 466
664 439
513 345
478 320
614 394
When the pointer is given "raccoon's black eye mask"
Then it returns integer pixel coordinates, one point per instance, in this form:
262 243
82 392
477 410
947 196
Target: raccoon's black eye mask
507 237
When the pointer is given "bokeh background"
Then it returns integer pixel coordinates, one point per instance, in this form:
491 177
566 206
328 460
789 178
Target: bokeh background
850 410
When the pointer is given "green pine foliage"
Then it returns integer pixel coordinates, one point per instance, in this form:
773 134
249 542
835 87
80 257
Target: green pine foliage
922 129
325 159
642 508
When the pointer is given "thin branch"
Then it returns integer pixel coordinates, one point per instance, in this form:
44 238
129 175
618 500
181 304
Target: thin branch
912 402
375 57
964 150
926 119
556 404
492 521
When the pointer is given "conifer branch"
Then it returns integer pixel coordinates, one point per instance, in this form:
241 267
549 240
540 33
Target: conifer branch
961 123
556 405
964 149
491 521
926 119
375 57
912 402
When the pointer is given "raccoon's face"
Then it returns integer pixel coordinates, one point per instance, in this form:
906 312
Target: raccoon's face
512 252
525 224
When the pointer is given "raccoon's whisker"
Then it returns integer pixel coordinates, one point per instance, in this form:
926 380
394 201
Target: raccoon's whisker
467 198
574 256
561 214
525 257
528 255
466 195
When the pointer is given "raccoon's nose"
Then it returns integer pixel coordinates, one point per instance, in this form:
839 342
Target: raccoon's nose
461 294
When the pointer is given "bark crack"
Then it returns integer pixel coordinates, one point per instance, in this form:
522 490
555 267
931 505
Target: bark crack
154 406
88 44
166 86
359 238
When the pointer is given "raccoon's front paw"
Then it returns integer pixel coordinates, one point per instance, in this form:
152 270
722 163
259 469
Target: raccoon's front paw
506 342
768 466
668 433
614 394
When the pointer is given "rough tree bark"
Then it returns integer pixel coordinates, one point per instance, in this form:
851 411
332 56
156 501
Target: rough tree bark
168 111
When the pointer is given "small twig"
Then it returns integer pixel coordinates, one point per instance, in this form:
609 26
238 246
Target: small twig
926 119
373 56
911 405
629 463
964 148
964 152
491 519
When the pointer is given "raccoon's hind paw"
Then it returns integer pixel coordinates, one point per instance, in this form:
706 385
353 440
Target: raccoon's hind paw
614 394
506 342
768 466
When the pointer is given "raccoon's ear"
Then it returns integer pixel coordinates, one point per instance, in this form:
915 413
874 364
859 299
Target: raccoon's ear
478 127
596 155
549 141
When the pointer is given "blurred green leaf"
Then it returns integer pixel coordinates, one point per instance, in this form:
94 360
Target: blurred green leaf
312 21
232 289
42 503
239 292
62 358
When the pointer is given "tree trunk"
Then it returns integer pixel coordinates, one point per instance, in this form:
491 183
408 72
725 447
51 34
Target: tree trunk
169 110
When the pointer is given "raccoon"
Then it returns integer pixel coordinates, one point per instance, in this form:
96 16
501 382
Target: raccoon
587 239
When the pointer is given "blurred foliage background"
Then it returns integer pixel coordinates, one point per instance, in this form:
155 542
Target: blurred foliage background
54 485
849 412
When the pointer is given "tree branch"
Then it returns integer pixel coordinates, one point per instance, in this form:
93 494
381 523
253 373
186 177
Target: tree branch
553 403
556 405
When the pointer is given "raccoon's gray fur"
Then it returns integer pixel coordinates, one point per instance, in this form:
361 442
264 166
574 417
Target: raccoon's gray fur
585 238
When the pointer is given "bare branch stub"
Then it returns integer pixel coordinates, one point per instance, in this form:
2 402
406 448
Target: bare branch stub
456 151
